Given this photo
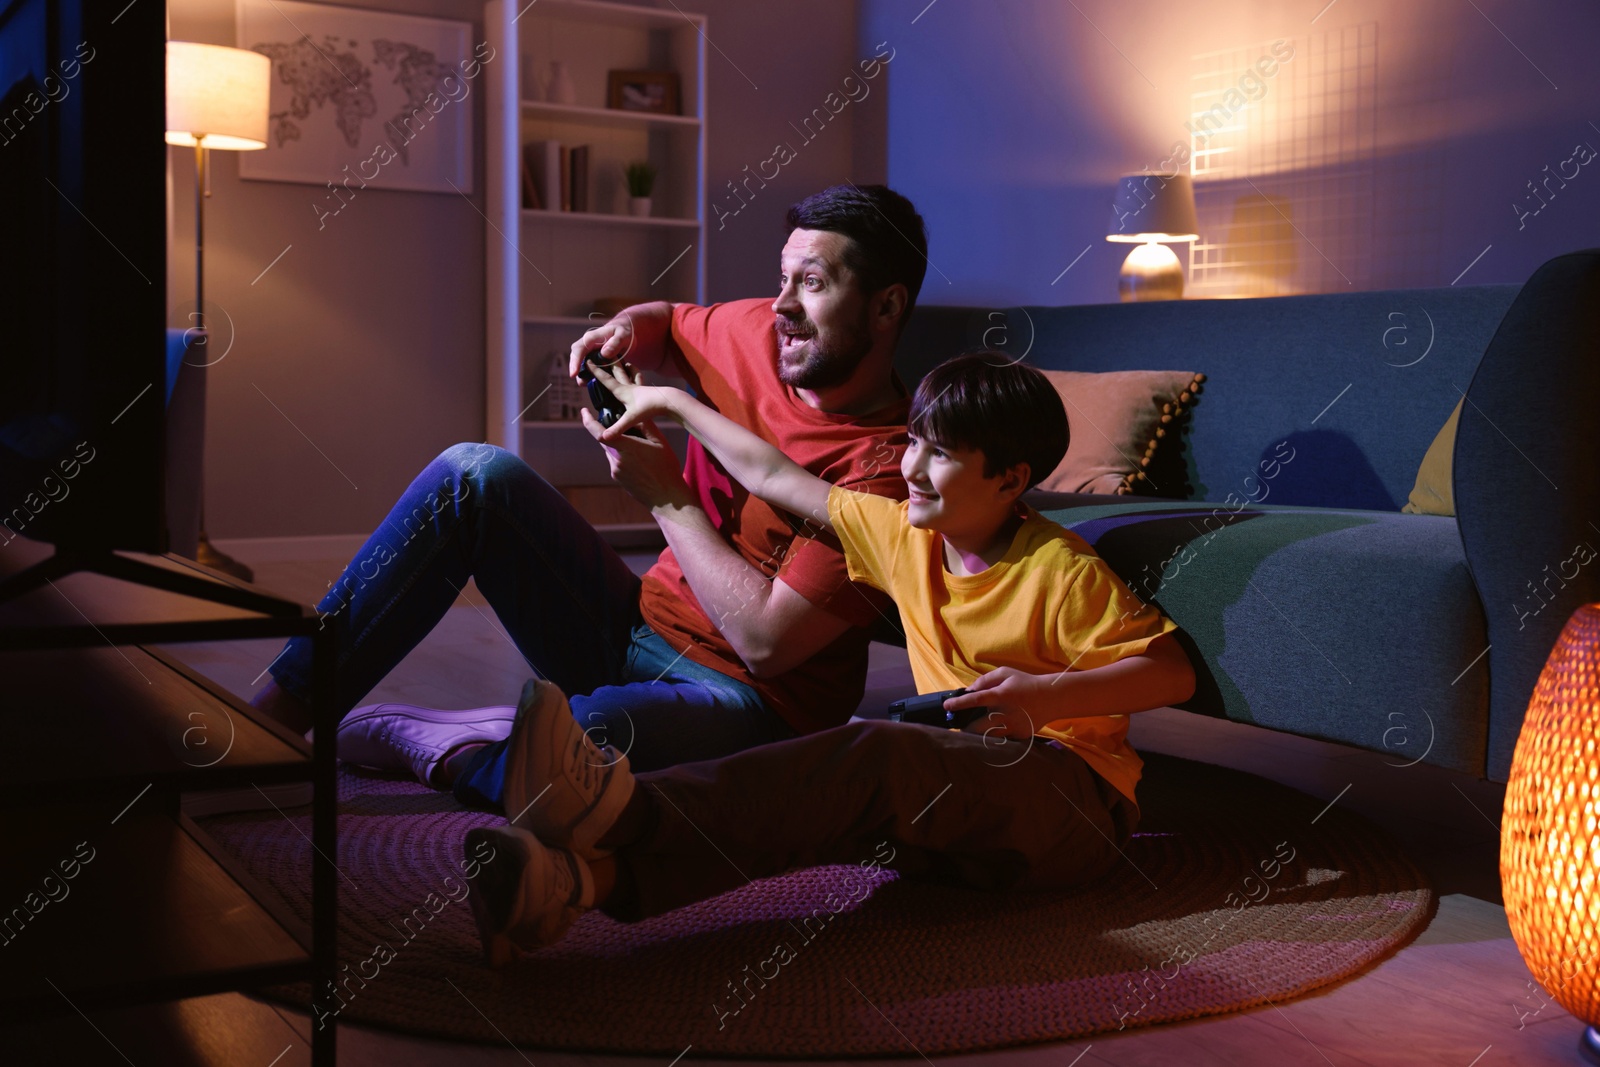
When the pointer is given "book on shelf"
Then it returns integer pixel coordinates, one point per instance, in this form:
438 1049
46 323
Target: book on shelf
555 176
580 177
543 160
530 191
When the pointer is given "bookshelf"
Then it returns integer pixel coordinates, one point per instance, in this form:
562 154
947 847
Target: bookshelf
547 267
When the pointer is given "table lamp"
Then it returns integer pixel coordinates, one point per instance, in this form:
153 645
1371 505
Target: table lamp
1149 211
1550 831
216 98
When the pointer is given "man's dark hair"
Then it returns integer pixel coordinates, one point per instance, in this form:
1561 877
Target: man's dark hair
990 402
888 243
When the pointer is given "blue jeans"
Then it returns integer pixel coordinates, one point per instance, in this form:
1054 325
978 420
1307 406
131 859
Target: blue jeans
566 598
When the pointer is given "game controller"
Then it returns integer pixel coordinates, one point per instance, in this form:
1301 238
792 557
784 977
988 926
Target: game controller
928 710
607 408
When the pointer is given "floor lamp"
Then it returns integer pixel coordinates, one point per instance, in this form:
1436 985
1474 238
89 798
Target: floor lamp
216 98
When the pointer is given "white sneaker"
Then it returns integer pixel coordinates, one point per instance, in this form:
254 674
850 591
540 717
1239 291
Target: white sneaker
404 737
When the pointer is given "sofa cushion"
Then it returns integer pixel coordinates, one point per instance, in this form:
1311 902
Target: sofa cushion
1361 627
1433 493
1118 419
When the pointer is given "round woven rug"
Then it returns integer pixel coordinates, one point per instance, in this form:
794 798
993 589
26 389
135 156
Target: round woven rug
1235 893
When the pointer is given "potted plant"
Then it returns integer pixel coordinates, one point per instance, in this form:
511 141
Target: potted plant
641 179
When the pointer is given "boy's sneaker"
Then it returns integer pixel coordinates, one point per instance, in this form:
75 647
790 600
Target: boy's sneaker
404 737
526 895
560 784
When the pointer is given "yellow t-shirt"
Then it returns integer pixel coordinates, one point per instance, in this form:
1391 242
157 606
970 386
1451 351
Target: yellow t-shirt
1050 604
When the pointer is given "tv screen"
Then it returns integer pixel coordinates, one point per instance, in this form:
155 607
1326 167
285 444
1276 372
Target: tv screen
83 307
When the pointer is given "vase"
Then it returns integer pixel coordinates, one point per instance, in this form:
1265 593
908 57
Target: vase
560 89
530 79
639 206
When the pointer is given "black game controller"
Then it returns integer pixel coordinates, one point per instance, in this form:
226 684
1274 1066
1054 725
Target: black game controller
607 408
928 710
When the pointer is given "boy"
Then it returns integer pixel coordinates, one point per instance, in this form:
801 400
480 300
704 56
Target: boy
995 598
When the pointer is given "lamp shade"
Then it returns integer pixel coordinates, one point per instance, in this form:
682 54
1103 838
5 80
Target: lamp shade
1550 832
218 93
1153 207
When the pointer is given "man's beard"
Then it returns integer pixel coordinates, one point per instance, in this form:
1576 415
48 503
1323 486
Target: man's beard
824 366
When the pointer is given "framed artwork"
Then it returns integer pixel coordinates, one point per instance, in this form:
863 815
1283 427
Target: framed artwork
643 90
363 98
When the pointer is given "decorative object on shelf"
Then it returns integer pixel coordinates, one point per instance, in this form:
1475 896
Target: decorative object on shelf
1549 842
529 77
216 98
643 90
363 98
564 397
559 89
641 178
1149 211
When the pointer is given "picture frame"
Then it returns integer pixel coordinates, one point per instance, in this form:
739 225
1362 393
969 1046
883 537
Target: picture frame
653 91
363 98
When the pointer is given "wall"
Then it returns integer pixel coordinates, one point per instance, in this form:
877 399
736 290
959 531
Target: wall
1009 123
359 355
765 72
356 357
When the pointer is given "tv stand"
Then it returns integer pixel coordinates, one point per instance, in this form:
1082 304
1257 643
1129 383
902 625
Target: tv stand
207 584
161 914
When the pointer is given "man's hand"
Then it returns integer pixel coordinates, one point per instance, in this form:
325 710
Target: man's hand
1012 697
636 334
646 467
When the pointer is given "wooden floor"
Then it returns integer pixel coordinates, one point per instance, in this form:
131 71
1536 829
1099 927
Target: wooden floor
1458 996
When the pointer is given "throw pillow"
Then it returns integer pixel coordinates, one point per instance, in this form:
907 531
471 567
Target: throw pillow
1433 494
1118 419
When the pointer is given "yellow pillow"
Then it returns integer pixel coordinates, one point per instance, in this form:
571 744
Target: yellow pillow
1433 495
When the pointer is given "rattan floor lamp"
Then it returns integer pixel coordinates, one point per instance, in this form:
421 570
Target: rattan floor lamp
1550 832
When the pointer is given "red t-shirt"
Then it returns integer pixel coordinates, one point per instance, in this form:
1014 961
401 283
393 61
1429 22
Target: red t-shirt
729 355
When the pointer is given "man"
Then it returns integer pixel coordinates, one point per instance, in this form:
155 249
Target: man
747 629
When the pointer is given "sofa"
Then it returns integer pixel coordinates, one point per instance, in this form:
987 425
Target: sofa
1308 601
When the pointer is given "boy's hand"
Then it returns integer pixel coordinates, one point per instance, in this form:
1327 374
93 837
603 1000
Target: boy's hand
646 467
1008 694
639 401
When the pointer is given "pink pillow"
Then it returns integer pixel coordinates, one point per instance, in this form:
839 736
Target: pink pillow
1117 419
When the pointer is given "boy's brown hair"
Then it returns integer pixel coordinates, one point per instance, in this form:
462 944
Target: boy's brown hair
989 402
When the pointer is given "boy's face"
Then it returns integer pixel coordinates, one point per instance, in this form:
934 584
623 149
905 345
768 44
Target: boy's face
821 313
948 490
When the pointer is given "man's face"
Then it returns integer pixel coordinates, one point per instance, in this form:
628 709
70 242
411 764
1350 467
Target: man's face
821 322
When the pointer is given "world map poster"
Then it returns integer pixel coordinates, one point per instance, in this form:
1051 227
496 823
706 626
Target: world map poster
364 97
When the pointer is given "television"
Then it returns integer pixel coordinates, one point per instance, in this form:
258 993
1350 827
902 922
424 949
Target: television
83 301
